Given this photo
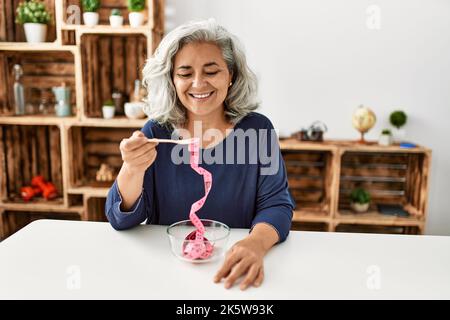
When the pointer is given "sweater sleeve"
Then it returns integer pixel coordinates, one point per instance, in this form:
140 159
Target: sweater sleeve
142 209
274 204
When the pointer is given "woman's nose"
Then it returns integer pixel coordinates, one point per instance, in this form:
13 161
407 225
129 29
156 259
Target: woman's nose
198 82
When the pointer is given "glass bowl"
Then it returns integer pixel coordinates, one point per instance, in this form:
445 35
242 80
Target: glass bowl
216 235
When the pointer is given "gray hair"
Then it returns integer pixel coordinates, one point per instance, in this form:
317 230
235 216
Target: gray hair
162 103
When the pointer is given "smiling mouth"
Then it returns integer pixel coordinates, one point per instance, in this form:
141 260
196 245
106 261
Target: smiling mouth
201 96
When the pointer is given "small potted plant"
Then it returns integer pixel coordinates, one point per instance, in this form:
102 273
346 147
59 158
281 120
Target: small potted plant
90 14
108 109
136 16
34 16
360 200
115 19
385 138
398 120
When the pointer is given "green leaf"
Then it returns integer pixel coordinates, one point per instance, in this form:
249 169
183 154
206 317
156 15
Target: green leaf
136 5
32 11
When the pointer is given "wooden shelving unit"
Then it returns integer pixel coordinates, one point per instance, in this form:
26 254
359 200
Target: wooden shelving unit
322 175
92 61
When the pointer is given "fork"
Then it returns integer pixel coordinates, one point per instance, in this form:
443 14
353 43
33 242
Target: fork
184 141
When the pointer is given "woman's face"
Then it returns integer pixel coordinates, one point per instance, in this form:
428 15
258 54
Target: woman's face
201 78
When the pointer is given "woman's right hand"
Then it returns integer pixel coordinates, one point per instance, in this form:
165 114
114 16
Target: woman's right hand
137 153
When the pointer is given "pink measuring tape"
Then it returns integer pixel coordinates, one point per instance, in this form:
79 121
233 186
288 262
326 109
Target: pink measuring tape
196 246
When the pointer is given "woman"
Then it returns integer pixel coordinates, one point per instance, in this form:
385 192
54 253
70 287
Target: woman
199 85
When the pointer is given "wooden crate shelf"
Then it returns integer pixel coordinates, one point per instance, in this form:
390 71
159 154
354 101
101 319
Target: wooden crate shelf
110 62
12 32
41 72
25 152
92 61
391 178
309 178
331 169
92 146
105 10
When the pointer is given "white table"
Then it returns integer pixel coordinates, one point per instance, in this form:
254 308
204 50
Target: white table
72 260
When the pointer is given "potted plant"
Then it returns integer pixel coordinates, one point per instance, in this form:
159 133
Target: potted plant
398 120
90 14
108 109
34 16
115 19
360 200
385 138
136 16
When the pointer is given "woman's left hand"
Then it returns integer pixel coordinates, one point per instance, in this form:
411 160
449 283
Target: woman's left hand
245 258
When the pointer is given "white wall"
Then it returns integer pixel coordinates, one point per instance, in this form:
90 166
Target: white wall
317 59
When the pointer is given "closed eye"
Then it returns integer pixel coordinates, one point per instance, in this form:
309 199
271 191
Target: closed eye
184 75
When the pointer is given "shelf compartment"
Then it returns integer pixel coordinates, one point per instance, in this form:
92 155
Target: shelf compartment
42 70
25 152
105 10
390 178
110 62
75 200
309 178
89 148
68 37
13 221
12 32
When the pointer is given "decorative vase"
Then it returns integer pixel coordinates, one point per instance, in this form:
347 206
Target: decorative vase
35 32
136 19
134 110
90 18
385 140
359 207
108 112
62 96
115 21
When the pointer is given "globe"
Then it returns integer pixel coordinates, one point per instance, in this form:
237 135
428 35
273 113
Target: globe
363 120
